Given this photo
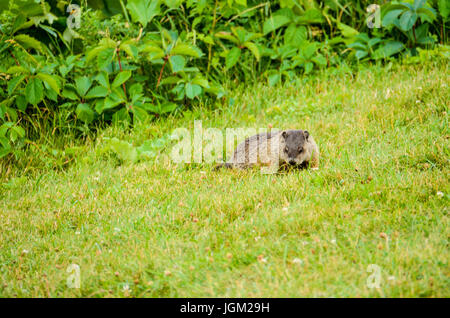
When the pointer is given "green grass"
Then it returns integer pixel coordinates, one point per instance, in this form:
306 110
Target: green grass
173 231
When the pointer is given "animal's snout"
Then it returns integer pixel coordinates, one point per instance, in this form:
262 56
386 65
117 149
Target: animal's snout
292 162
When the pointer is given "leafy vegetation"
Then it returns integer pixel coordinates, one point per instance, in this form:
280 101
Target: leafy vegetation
132 61
150 228
91 90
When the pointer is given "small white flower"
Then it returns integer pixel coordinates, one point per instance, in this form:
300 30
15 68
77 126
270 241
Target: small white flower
285 209
25 252
297 261
77 232
333 241
257 238
391 278
126 288
440 194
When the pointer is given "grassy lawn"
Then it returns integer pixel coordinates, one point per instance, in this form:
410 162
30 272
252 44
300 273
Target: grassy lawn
155 229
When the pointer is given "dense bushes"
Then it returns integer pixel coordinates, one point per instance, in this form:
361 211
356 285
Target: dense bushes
133 60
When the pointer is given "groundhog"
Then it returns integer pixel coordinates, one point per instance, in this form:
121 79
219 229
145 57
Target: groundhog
281 149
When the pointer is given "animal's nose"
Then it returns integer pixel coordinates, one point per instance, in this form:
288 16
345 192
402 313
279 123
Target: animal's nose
292 162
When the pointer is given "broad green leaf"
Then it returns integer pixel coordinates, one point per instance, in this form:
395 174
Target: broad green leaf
167 108
69 93
143 11
360 54
308 67
29 42
17 70
200 80
4 152
34 91
444 8
85 113
105 57
173 4
13 83
407 20
177 63
121 78
346 30
388 49
275 22
120 116
97 92
102 79
227 36
186 49
21 102
273 79
295 35
310 16
124 150
254 49
50 80
390 17
82 85
193 90
232 57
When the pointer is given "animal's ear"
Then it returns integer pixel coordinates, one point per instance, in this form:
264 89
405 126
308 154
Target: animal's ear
306 133
284 134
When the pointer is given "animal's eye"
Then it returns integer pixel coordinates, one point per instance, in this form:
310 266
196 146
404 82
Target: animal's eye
300 149
286 149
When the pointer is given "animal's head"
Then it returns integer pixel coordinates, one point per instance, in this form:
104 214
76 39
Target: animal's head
292 146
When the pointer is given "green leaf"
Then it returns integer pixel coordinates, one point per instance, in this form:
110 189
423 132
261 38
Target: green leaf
167 108
274 79
193 90
85 113
69 93
21 102
143 11
390 48
295 35
275 22
390 17
310 16
105 57
4 152
407 20
360 54
347 31
29 42
444 8
50 80
186 49
13 83
254 49
177 63
308 67
124 150
121 78
34 91
102 79
82 84
97 92
232 57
